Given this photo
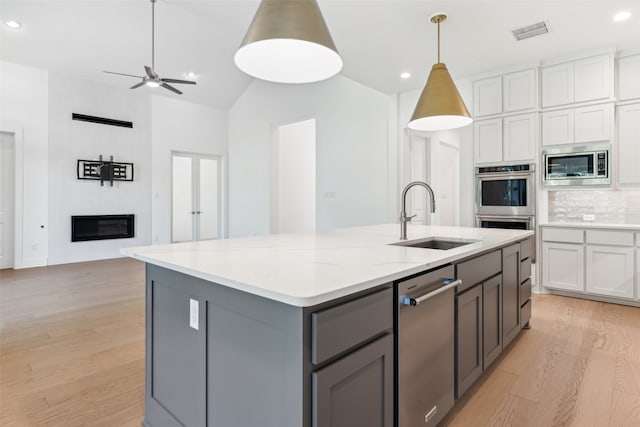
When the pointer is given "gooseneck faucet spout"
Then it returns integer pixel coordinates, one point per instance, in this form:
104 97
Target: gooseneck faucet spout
404 219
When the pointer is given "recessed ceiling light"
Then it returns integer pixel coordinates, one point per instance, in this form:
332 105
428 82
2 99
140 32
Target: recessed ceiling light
405 75
13 24
191 75
621 16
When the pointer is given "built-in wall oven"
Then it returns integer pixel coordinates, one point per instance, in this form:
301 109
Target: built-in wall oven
506 190
505 197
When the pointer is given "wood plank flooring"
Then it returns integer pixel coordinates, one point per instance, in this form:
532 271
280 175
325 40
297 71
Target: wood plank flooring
72 354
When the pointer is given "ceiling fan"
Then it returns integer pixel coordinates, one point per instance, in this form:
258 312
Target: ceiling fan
152 78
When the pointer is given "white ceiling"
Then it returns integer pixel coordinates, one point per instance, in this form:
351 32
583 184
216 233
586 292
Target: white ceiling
378 39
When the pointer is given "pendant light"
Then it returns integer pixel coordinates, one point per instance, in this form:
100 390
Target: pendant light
288 42
440 106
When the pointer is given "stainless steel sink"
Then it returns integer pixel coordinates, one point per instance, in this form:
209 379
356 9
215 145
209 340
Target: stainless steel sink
435 243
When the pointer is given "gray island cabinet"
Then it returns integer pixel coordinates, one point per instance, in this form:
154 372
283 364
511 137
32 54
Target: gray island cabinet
299 330
257 362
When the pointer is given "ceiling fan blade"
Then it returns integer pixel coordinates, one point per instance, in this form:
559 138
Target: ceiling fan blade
150 72
137 85
171 88
122 74
184 82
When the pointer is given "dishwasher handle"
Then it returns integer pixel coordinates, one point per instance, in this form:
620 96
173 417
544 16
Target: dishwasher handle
449 283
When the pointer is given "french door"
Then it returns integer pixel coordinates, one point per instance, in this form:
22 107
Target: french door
196 212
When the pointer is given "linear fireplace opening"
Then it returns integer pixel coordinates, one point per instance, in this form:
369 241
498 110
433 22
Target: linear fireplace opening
101 227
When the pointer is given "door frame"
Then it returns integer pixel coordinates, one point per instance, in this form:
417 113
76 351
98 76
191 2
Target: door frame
222 187
18 189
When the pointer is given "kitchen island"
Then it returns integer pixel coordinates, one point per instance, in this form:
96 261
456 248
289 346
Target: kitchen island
263 330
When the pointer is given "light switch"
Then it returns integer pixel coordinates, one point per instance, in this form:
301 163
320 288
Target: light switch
194 307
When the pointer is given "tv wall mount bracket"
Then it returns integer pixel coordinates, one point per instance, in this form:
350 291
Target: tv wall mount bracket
101 170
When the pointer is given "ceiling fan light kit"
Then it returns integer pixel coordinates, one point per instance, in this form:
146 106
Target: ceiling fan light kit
288 42
440 105
152 79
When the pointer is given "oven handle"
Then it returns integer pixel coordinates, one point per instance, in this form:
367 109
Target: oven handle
510 218
481 176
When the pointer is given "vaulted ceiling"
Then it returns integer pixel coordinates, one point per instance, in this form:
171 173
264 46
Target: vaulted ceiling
378 39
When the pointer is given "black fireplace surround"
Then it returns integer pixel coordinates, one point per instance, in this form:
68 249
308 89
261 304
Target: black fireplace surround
101 227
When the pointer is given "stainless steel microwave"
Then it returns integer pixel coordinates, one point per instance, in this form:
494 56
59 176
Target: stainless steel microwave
577 165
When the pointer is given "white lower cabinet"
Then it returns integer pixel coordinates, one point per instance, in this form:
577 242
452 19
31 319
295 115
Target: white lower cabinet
563 266
610 270
596 262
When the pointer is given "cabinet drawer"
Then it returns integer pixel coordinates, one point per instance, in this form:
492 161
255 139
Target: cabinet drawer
607 237
340 328
526 248
525 291
568 235
477 269
525 269
525 313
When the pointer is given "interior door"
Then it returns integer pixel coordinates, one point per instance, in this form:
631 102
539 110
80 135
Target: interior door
196 197
6 199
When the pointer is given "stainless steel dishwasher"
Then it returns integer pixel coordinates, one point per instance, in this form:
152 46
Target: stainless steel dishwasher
425 347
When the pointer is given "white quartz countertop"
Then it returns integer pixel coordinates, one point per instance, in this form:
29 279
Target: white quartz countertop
311 268
601 225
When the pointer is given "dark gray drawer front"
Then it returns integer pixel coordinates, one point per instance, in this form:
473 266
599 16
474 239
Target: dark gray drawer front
526 248
525 269
525 291
340 328
525 313
478 269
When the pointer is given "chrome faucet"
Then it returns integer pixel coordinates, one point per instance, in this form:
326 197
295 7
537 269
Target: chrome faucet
404 219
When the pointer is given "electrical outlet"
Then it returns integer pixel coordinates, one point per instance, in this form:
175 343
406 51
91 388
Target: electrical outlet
194 308
588 217
34 247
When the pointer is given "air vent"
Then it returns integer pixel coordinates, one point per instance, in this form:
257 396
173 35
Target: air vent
529 31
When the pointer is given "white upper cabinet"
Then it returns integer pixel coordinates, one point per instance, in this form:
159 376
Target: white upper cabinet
505 94
593 123
487 140
487 97
557 127
557 85
592 79
519 91
512 138
577 125
519 137
588 79
629 144
629 77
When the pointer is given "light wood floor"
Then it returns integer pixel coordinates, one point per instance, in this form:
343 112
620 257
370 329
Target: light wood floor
72 354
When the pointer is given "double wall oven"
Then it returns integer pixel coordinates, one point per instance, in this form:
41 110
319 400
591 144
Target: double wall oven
505 196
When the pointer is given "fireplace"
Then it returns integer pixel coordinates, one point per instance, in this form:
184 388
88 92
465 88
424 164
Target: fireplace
101 227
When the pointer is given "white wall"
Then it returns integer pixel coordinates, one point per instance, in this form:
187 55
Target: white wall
180 126
70 140
24 106
352 141
462 137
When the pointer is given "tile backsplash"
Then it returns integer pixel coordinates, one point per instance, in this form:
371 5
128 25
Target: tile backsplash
606 206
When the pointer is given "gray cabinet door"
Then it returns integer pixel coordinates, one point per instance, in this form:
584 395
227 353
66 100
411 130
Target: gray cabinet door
176 357
492 319
356 390
510 293
469 338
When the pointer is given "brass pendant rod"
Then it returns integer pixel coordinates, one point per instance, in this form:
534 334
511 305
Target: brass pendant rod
153 35
438 41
